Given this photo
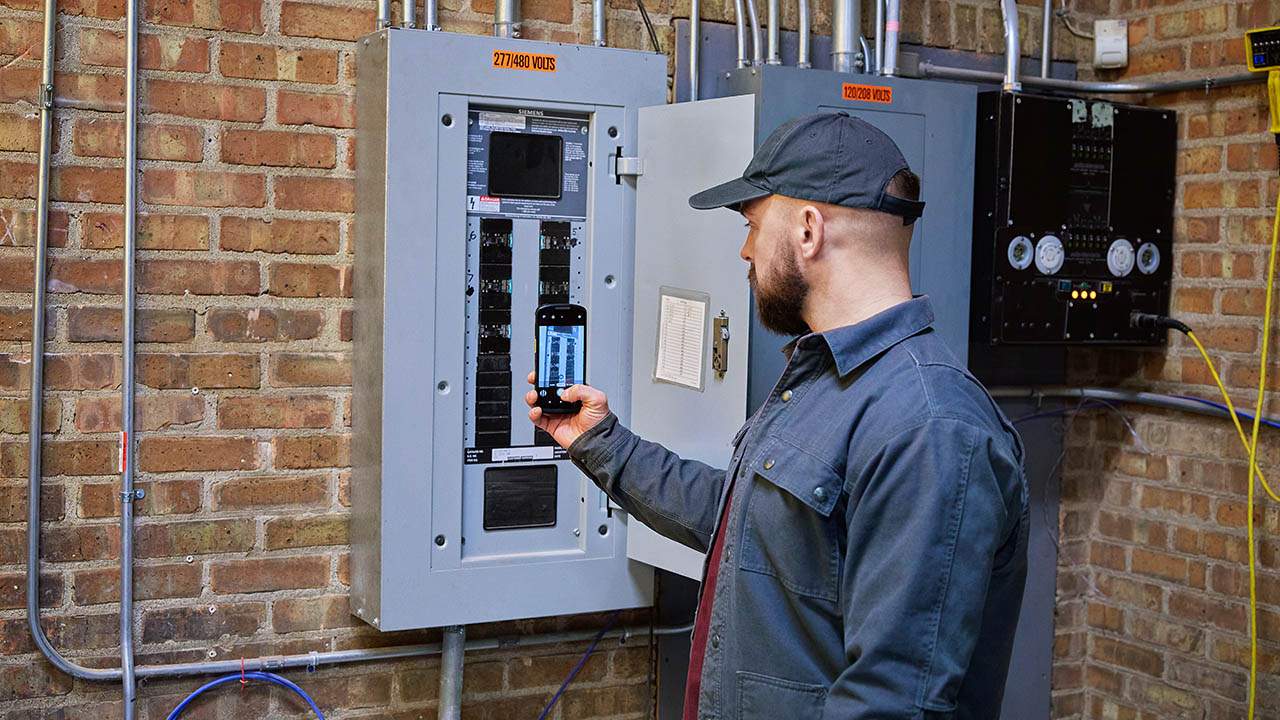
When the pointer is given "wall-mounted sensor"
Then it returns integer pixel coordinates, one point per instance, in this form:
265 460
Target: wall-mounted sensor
1110 43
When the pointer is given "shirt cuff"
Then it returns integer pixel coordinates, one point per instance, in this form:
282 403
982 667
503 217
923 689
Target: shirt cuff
595 447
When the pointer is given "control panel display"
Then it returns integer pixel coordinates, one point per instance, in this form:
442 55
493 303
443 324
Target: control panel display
562 355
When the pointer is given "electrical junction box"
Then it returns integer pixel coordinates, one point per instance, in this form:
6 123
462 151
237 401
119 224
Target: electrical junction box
1110 43
1073 220
487 184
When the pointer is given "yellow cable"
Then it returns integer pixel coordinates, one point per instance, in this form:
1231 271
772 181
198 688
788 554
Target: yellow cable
1244 439
1253 456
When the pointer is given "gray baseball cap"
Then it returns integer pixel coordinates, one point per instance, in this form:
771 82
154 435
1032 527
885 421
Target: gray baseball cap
824 157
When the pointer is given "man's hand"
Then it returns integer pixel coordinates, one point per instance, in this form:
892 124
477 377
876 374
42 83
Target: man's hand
566 428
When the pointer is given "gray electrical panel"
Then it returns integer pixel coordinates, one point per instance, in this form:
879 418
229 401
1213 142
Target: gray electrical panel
487 184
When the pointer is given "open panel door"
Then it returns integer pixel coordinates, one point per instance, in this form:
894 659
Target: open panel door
690 258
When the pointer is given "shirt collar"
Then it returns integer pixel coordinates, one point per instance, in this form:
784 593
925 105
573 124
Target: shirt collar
853 345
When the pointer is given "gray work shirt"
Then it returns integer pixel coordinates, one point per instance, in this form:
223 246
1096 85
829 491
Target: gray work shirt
875 547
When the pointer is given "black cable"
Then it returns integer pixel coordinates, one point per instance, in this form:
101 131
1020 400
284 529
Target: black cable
1148 321
653 36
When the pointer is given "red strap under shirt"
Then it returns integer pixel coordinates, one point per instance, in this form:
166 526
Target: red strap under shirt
698 648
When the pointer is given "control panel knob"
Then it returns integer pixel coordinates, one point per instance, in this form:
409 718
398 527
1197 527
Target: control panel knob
1120 258
1021 253
1148 258
1049 254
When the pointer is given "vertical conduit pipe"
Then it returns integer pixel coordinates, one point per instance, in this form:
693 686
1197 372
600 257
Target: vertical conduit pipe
802 52
775 57
879 61
741 25
506 23
695 45
890 65
37 369
1012 49
1046 40
431 17
409 10
127 439
845 18
453 648
384 14
754 17
597 23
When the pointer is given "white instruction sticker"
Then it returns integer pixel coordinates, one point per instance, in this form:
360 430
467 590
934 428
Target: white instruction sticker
681 341
545 452
502 121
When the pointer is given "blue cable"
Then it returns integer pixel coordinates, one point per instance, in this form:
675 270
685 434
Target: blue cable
1220 406
578 667
271 677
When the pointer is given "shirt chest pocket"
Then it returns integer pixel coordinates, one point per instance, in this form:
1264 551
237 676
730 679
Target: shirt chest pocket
789 532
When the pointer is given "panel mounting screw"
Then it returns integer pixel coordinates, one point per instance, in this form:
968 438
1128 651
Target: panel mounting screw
613 131
447 120
440 541
577 532
603 529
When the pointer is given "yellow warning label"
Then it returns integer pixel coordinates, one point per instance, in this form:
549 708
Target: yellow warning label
867 93
524 61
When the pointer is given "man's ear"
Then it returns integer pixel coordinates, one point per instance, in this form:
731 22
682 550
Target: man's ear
811 228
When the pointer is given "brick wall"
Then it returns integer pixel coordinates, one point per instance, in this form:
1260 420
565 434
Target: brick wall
1153 584
244 363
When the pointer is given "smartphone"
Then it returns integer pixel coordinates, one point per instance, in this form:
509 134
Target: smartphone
560 355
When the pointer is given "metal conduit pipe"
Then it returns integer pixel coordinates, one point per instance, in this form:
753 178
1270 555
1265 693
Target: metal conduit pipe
695 46
890 65
1046 40
879 61
741 27
431 16
1112 395
1012 46
866 54
775 57
452 655
754 17
127 439
506 18
37 370
409 10
802 51
384 14
597 23
942 72
846 19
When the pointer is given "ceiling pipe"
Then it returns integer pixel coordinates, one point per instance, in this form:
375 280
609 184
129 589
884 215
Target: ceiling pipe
803 52
506 18
942 72
1012 44
741 27
890 65
754 17
775 57
597 23
1046 40
846 19
695 46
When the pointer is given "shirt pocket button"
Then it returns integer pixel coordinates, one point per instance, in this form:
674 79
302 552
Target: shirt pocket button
820 494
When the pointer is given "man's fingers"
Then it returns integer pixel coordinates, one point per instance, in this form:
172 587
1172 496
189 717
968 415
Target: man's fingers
585 394
531 378
531 397
535 415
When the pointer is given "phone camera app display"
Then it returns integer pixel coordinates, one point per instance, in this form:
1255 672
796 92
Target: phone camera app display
562 356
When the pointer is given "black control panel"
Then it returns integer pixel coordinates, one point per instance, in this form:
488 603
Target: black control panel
1073 220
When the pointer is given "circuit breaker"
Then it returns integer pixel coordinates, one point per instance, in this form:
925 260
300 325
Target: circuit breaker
491 179
1073 220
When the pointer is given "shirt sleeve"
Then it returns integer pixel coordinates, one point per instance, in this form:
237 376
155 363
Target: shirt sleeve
675 497
937 510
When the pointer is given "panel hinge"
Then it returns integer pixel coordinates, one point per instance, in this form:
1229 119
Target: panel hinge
632 166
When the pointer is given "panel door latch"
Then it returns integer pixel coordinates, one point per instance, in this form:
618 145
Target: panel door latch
626 166
720 345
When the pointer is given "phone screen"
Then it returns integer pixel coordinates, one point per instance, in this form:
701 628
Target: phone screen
561 354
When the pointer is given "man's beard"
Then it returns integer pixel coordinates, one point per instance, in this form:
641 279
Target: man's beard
780 301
